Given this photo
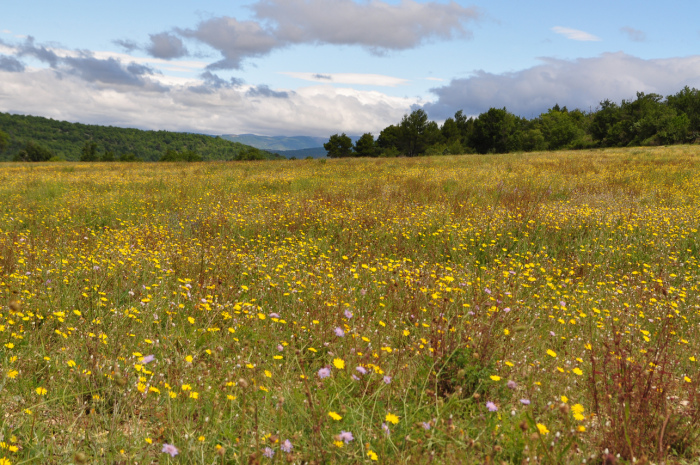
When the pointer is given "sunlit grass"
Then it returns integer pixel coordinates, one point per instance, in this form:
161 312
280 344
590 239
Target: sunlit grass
539 307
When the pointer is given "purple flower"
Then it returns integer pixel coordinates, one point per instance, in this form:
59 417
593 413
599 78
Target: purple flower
170 449
148 359
274 315
551 333
324 372
386 429
507 309
491 406
387 379
348 314
346 436
286 446
525 401
511 384
562 303
362 370
487 290
355 377
280 347
425 425
268 452
339 332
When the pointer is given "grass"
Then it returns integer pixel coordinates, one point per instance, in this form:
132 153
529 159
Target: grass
538 308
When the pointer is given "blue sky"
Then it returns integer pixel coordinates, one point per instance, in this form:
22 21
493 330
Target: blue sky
317 67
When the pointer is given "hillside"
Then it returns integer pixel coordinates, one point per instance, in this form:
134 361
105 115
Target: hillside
314 152
66 140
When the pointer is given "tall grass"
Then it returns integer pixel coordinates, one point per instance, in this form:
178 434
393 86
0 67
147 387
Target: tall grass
538 308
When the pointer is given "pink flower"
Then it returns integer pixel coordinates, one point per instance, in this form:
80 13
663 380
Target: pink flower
387 379
362 370
286 446
170 449
148 359
346 436
348 314
324 372
491 406
339 332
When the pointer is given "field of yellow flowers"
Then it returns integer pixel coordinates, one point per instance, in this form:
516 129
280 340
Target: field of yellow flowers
520 308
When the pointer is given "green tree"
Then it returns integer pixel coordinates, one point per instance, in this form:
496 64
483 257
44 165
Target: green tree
108 156
559 128
496 131
89 152
687 101
417 133
4 140
388 140
34 152
338 146
365 146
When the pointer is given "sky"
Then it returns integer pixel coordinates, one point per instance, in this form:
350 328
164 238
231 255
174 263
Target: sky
320 67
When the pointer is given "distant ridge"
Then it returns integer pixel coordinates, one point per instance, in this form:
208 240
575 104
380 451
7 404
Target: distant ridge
277 143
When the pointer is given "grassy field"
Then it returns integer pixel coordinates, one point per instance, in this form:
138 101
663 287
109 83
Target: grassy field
521 308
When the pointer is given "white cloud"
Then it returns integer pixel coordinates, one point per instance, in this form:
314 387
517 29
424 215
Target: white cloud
350 78
434 79
581 83
575 34
316 110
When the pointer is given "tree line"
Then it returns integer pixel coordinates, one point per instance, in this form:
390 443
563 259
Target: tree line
650 119
33 138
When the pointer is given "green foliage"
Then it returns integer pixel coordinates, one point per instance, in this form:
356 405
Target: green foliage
417 133
365 146
67 140
251 154
89 152
338 146
496 131
4 140
34 152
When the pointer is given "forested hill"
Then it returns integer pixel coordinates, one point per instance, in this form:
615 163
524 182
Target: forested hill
70 141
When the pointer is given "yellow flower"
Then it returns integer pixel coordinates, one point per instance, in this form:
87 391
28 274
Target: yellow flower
149 440
495 377
551 353
338 444
577 408
188 359
71 363
577 371
194 395
335 416
371 454
339 363
391 418
201 439
581 428
542 429
565 399
12 374
4 461
687 380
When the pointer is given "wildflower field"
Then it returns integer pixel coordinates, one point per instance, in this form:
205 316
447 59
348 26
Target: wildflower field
519 308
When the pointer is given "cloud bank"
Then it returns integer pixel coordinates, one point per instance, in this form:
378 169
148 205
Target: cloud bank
581 83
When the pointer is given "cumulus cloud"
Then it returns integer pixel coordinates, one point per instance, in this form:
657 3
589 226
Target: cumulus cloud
214 106
234 39
634 35
376 25
110 71
167 46
10 64
39 52
575 34
580 83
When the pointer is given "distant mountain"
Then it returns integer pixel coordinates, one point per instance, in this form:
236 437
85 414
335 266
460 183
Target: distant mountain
277 143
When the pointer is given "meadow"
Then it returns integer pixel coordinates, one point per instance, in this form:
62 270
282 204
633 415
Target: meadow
517 308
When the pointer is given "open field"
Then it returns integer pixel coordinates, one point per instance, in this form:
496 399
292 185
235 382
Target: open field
536 308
